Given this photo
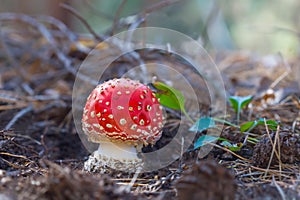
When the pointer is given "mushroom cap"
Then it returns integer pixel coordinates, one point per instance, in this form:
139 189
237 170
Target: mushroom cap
123 110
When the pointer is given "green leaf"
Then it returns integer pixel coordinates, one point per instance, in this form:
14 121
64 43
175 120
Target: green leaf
238 103
252 140
232 147
225 122
272 124
248 126
203 140
170 97
202 124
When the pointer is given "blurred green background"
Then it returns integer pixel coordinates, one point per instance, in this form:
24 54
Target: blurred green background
260 26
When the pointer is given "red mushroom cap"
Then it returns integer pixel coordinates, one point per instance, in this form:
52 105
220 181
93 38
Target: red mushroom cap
123 110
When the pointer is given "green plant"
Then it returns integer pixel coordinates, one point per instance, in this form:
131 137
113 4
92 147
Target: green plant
171 98
238 103
202 124
248 126
174 99
205 123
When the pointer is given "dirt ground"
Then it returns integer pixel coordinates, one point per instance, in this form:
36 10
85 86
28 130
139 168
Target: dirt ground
42 156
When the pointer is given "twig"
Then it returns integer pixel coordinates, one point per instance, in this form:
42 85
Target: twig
126 47
159 5
85 23
21 136
61 26
11 164
117 16
10 107
68 161
27 88
97 12
137 23
283 197
51 41
140 17
9 96
17 117
10 57
128 179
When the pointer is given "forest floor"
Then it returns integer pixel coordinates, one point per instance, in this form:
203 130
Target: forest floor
42 156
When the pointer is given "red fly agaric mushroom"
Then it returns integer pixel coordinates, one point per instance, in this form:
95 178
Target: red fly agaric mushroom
121 115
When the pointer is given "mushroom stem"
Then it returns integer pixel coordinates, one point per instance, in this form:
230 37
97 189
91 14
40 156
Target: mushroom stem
118 151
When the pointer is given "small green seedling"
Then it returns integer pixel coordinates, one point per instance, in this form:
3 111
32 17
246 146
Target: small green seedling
170 98
248 126
204 139
174 99
238 103
203 124
232 147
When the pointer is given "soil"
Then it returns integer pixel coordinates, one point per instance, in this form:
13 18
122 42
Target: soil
42 155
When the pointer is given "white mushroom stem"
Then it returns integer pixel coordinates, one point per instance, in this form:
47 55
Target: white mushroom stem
118 151
110 155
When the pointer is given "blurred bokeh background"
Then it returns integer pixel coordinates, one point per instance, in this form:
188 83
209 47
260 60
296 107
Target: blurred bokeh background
259 26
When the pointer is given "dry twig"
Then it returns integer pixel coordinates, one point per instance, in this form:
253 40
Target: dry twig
85 23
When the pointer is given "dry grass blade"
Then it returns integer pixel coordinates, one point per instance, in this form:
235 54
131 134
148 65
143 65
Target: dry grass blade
272 172
274 144
13 155
229 151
